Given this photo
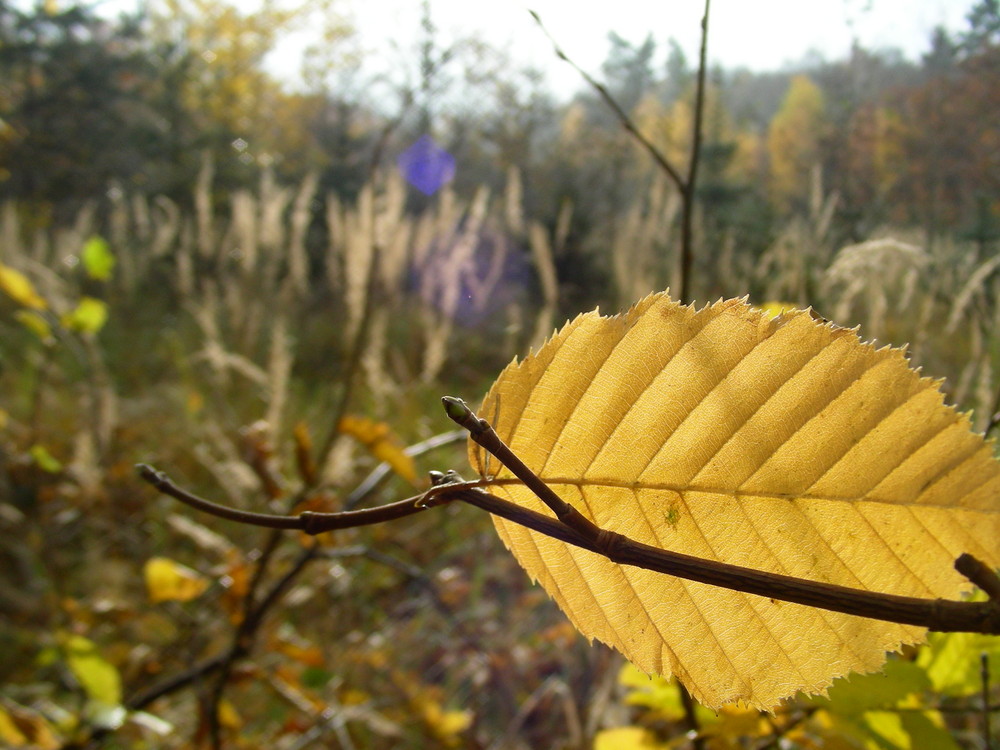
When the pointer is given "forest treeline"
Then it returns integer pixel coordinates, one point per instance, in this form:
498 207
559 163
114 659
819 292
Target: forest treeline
90 104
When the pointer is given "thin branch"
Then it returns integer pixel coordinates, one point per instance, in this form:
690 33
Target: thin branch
483 433
984 673
937 614
689 186
623 118
380 472
307 521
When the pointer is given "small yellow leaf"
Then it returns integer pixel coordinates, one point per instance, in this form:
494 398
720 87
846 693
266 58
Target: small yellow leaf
36 323
774 308
229 717
19 288
194 402
782 444
98 678
446 725
89 316
167 580
382 443
10 735
628 738
23 727
4 419
44 460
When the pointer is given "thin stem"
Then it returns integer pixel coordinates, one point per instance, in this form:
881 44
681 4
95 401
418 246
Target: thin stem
689 186
307 521
380 472
483 434
623 118
984 673
936 614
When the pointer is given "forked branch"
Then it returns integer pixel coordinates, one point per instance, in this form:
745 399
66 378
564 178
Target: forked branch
572 527
936 614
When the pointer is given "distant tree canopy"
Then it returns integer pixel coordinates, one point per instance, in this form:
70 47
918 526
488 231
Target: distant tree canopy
77 101
87 103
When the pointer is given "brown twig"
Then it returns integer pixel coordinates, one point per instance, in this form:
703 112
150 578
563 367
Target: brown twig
685 184
572 527
936 614
307 521
626 122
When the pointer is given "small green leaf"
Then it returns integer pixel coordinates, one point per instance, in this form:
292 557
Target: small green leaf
89 316
44 460
99 679
887 730
879 690
97 258
954 661
928 730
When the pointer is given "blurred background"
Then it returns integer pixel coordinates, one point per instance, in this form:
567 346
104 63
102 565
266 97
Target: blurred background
253 244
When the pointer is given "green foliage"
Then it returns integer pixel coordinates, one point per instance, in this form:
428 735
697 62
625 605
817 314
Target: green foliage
97 258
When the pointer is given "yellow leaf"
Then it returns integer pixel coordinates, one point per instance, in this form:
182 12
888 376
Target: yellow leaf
98 678
167 580
45 460
775 308
9 733
627 738
781 444
446 725
36 323
19 288
23 727
89 316
379 439
229 717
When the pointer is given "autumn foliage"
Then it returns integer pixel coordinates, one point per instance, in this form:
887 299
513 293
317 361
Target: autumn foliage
210 270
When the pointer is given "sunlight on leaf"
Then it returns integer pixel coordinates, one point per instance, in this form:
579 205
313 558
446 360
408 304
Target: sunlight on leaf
89 316
97 258
167 580
379 439
774 308
886 689
659 694
19 288
98 678
782 444
953 661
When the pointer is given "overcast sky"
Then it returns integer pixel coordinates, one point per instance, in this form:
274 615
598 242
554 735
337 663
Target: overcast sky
759 34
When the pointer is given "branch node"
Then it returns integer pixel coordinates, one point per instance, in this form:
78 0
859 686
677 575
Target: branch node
980 574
